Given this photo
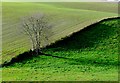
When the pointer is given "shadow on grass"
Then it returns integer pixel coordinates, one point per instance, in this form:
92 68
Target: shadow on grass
20 58
86 38
90 37
79 61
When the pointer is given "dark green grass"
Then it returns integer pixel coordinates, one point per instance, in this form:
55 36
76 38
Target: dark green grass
96 45
91 54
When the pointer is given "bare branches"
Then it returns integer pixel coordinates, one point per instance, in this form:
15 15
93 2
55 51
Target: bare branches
36 27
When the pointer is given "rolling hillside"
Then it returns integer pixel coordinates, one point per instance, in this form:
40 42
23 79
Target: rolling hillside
88 55
67 17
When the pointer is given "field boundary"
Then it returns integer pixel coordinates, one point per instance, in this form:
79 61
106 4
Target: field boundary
99 21
69 35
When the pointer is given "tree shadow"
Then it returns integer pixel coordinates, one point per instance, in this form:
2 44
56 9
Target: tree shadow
79 61
22 58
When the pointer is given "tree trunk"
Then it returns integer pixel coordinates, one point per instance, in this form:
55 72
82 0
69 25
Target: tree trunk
38 49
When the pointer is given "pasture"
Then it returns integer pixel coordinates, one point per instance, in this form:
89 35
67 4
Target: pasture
91 54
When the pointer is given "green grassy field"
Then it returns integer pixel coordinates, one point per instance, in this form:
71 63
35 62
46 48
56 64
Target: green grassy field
67 17
88 55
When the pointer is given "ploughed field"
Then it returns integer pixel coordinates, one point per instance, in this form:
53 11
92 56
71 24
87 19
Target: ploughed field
67 18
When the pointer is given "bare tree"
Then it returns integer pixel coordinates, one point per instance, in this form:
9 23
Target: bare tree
37 28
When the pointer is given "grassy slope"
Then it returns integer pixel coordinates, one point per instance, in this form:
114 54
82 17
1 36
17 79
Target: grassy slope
91 54
15 43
